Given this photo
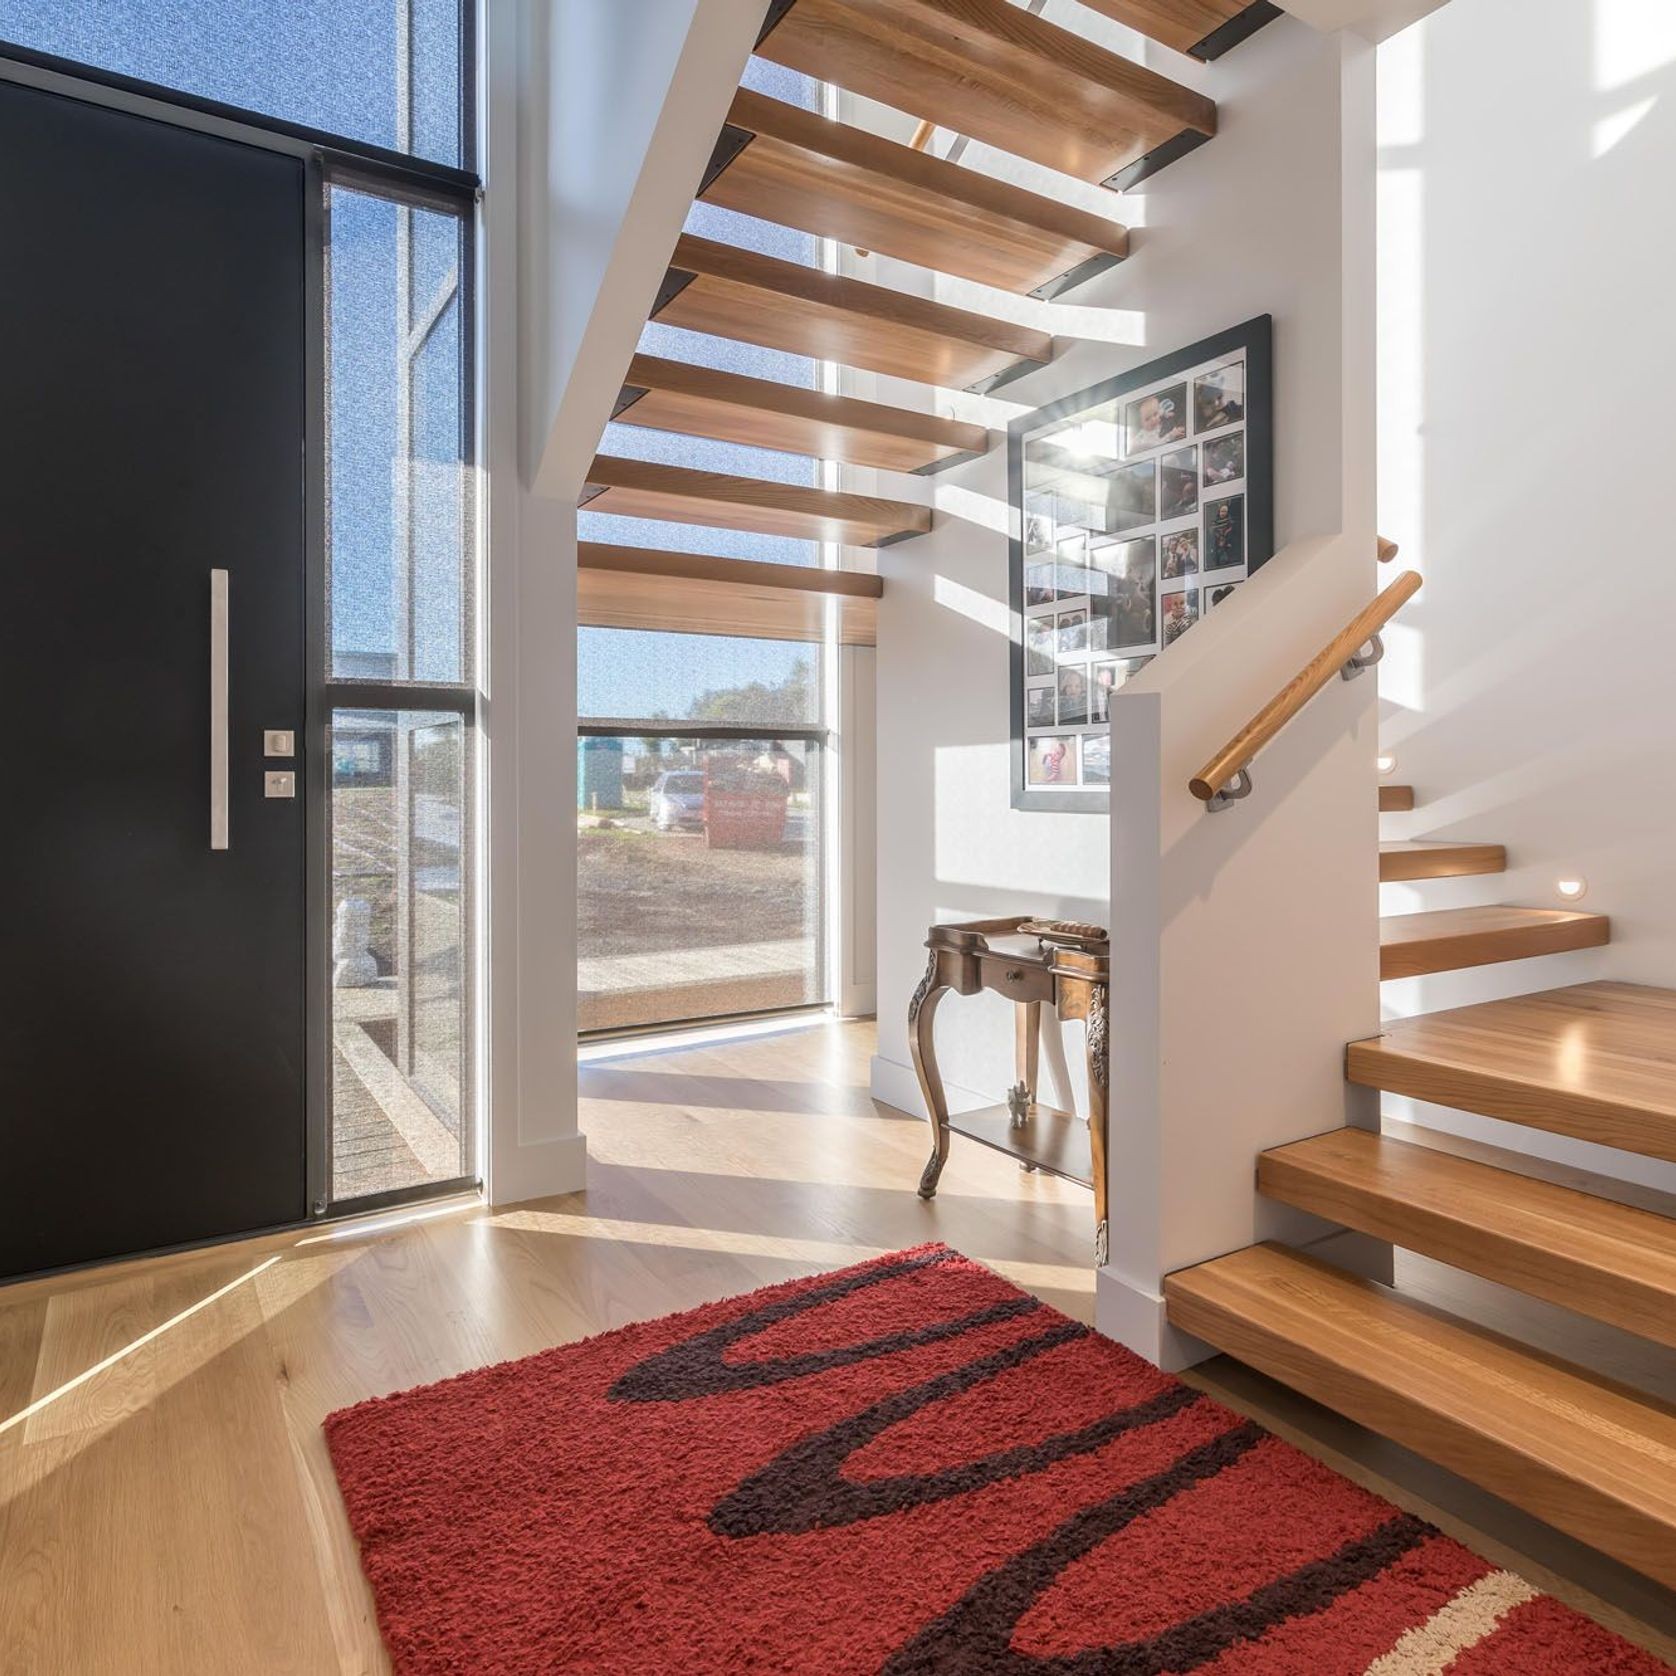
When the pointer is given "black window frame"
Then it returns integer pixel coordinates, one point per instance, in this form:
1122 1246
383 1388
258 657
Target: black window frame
334 159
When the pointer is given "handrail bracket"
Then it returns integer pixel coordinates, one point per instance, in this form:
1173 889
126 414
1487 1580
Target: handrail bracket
1230 794
1364 661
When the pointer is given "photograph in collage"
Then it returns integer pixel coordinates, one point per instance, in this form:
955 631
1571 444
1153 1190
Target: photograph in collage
1225 533
1178 484
1181 612
1131 605
1053 760
1180 554
1219 398
1224 460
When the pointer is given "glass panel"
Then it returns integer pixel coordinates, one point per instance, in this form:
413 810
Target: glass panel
649 676
386 72
699 879
401 528
401 1110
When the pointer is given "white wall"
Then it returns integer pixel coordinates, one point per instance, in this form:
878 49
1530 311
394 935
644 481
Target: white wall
639 90
1245 942
1254 222
600 114
1528 237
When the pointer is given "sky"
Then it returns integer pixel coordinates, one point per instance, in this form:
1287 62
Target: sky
331 64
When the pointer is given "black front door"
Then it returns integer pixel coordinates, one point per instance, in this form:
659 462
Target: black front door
152 420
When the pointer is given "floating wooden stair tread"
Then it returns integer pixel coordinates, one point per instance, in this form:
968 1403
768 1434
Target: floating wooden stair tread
1420 860
647 489
999 73
1411 945
792 166
700 401
736 293
1585 1454
1204 28
1396 799
1596 1061
696 593
1606 1260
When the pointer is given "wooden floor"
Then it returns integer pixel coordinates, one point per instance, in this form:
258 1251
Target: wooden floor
165 1501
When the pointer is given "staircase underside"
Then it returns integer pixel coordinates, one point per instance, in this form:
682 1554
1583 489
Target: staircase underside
791 166
632 488
735 293
682 396
1001 74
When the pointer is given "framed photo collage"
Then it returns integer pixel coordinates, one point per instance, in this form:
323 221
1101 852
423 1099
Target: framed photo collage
1137 507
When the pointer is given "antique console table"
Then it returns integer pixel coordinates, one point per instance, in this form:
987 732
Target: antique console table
1030 962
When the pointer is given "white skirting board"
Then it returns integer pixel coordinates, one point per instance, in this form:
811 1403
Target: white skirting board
894 1084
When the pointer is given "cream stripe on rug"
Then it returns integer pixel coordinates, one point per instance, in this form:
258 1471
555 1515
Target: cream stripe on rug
1430 1648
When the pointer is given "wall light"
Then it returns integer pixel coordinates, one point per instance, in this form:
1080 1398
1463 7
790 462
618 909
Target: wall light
1573 890
1386 764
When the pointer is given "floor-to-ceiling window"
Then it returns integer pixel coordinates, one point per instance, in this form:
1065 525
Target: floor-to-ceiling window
401 583
701 801
375 97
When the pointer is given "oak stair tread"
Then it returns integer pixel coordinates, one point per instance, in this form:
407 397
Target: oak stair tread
694 400
1203 28
648 588
1412 945
1596 1061
1002 75
1396 799
1589 1456
735 293
793 166
1602 1259
632 488
1428 859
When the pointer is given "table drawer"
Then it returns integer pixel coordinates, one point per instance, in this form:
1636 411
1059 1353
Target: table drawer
1016 981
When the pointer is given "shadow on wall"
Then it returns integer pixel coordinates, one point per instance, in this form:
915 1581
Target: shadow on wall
1527 238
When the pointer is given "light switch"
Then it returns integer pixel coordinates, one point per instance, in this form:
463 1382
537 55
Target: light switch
279 785
279 742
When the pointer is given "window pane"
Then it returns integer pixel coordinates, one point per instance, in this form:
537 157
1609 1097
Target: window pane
386 72
400 1070
699 879
645 675
401 528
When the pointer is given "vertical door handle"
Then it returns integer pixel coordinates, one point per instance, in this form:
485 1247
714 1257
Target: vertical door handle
218 710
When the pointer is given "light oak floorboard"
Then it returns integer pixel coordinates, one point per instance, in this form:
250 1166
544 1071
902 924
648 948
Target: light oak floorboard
178 1515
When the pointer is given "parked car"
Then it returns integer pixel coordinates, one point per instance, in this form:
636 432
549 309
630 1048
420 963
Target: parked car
677 800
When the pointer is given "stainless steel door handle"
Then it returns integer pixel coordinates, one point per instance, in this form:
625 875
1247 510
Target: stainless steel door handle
218 710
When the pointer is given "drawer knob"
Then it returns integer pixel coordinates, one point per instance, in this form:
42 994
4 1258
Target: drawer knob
1015 975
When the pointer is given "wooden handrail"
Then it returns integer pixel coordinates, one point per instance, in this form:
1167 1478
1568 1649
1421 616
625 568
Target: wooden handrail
1236 756
1387 550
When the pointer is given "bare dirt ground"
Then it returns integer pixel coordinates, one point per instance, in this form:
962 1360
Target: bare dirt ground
640 891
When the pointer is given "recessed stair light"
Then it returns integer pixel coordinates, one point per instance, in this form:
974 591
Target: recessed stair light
1386 764
1573 890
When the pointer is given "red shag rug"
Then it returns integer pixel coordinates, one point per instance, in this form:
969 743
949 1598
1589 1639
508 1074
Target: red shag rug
902 1468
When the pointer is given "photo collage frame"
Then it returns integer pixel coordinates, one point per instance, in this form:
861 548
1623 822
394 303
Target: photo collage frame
1138 506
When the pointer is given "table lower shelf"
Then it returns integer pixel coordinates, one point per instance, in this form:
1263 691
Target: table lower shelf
1052 1140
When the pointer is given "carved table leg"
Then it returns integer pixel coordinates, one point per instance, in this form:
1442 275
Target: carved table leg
922 1013
1097 1073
